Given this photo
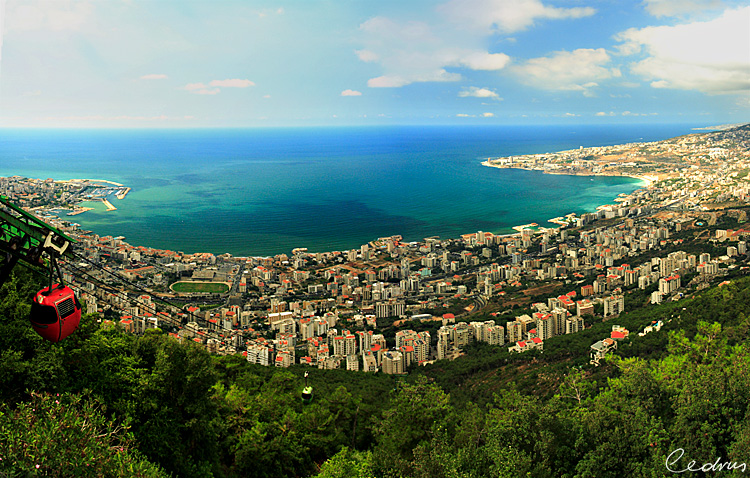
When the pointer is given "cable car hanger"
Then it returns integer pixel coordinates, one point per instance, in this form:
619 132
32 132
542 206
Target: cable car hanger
27 238
55 310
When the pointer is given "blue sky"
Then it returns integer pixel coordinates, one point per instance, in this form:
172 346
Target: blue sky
131 63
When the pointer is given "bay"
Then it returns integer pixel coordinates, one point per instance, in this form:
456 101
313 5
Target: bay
266 191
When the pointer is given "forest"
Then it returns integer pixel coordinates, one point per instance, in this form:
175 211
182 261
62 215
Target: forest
107 403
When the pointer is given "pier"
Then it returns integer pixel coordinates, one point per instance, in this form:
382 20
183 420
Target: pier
80 210
123 192
109 205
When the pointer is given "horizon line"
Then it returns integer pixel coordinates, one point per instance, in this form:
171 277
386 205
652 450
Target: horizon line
332 126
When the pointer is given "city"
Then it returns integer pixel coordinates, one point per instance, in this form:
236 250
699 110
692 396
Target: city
391 304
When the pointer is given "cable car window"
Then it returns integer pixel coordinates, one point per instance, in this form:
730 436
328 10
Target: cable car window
43 314
66 307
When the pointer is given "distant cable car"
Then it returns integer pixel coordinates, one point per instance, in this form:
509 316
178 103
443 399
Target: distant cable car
307 392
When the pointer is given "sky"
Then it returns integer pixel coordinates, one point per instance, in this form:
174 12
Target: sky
252 63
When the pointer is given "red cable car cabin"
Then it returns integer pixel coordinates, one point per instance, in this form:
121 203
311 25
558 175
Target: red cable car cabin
56 314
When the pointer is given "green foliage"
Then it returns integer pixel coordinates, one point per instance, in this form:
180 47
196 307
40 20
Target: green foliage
348 463
150 405
67 435
417 413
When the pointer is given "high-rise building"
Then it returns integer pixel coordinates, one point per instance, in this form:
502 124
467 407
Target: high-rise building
393 362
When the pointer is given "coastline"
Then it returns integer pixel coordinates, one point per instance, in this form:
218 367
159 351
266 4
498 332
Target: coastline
562 221
272 231
646 180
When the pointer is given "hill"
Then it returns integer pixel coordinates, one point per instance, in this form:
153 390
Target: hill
149 405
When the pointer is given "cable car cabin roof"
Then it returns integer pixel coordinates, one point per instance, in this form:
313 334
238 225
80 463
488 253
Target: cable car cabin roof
55 315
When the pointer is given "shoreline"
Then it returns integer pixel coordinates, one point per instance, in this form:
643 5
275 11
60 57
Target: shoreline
534 227
648 180
538 227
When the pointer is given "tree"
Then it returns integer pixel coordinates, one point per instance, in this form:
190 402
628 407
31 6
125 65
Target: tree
67 436
415 413
347 463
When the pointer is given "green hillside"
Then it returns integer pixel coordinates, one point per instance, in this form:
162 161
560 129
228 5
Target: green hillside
107 403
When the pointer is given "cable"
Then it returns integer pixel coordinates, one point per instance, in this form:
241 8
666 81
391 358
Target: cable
117 292
86 277
135 286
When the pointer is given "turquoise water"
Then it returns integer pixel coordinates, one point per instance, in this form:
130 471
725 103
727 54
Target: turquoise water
266 191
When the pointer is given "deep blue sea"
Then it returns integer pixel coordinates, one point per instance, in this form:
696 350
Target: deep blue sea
266 191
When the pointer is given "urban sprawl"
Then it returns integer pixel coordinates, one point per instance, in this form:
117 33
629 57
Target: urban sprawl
391 305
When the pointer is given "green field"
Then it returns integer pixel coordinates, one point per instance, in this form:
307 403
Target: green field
210 287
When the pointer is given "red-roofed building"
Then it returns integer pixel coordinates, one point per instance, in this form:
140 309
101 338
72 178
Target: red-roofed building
617 336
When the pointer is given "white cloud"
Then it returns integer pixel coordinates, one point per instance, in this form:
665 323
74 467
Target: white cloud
395 81
387 81
412 52
506 16
214 87
367 56
201 89
670 8
578 70
711 56
268 11
233 83
351 93
154 76
483 61
475 92
194 86
60 15
483 115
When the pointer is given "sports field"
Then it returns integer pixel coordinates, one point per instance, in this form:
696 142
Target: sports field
209 287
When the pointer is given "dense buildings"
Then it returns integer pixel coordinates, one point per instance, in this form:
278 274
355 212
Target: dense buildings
392 304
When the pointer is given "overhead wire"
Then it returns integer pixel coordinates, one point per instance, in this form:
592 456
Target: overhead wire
137 287
115 291
122 294
119 293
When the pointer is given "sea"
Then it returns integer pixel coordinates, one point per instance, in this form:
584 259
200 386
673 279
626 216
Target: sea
265 191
